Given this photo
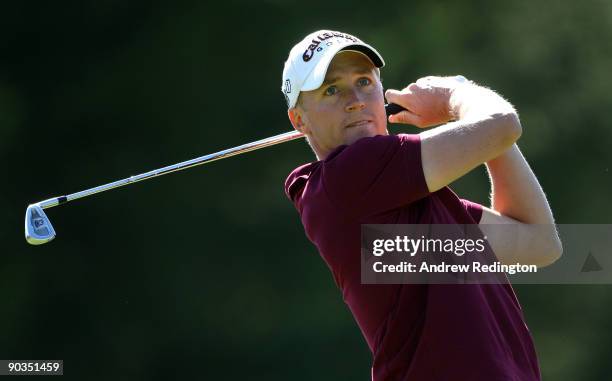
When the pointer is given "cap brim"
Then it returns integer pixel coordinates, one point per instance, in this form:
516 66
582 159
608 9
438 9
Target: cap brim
317 76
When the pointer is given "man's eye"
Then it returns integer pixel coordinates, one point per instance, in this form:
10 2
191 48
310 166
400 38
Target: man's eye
331 90
364 81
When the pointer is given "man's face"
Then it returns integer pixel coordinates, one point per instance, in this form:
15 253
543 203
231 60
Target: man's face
348 106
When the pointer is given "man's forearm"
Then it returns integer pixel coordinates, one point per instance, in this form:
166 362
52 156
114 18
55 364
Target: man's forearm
515 190
470 101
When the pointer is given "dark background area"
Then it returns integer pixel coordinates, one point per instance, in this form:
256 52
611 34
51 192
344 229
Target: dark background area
207 273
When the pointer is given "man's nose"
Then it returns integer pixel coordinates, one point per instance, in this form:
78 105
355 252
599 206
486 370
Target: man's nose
354 102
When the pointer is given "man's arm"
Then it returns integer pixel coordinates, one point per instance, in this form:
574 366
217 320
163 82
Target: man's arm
485 130
518 198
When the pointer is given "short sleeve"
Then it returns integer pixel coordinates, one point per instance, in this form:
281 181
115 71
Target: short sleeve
376 174
474 209
297 179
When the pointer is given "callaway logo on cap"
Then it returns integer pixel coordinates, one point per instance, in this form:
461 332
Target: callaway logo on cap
309 59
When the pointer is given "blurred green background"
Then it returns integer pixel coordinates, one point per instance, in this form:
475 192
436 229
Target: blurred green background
207 273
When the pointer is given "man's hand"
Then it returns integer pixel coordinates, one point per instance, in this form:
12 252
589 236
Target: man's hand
427 101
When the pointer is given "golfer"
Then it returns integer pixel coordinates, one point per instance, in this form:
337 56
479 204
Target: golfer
364 175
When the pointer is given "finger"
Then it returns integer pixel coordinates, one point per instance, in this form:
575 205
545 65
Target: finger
392 95
406 117
401 98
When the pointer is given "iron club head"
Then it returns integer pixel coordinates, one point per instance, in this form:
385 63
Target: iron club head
38 228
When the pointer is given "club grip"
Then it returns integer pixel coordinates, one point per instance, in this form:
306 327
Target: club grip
393 108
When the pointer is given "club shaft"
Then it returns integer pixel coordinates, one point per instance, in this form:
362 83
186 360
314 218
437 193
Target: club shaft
281 138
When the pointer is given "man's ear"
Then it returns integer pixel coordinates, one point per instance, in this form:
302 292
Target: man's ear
297 120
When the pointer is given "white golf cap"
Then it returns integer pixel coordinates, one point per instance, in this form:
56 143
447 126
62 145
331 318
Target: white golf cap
309 59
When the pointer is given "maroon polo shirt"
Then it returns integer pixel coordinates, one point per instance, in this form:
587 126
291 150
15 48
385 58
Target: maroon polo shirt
420 332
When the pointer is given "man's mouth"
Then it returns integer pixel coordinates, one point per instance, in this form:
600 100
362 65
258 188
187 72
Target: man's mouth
358 123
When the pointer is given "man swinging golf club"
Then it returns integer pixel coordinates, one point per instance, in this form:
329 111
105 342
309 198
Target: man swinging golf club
364 175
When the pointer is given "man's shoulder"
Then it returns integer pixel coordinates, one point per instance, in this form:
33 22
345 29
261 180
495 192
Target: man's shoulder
354 164
368 141
298 178
371 150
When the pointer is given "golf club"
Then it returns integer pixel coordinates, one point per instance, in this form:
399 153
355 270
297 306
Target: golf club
38 228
